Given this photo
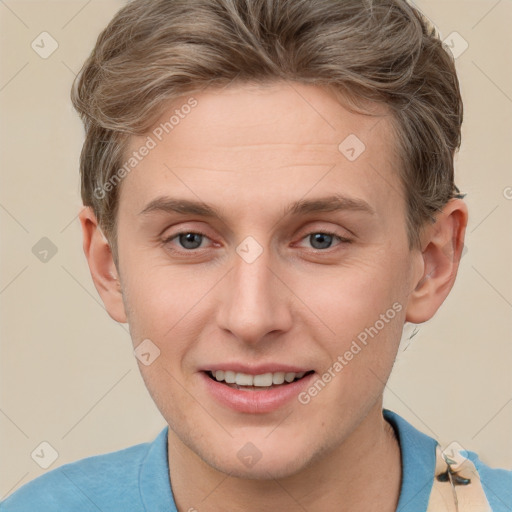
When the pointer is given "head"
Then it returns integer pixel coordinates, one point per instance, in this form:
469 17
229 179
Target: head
316 140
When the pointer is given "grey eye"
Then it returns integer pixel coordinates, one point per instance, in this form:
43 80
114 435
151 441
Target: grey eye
190 240
324 240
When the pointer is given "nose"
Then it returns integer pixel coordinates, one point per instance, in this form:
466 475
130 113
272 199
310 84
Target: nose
255 301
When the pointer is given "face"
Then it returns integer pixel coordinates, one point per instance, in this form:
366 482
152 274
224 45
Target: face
259 237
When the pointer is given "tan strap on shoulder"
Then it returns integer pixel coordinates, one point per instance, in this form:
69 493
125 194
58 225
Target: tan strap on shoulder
457 486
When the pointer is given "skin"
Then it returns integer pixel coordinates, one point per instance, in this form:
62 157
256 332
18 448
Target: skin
250 151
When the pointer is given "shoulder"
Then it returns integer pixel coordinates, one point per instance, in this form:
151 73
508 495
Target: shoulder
418 452
496 483
90 484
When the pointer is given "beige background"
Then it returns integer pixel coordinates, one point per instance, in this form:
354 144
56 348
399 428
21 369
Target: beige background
68 375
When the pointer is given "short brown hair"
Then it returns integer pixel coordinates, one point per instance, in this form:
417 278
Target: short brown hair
384 51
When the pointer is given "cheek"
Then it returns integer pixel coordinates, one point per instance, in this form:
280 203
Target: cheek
361 311
347 299
166 305
171 302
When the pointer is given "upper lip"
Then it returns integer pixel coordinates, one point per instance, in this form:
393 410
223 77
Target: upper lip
259 369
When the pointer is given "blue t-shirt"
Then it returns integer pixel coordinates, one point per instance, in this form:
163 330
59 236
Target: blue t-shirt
136 479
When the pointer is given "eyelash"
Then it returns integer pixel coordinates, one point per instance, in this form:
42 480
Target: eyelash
168 240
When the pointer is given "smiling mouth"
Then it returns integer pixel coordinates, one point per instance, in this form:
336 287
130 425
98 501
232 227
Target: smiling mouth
247 382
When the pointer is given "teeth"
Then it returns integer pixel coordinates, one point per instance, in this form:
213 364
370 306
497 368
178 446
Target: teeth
229 377
243 379
264 380
278 378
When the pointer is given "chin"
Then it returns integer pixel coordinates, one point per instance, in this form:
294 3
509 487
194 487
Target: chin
282 465
256 457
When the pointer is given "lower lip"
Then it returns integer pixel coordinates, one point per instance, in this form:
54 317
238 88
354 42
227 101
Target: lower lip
255 402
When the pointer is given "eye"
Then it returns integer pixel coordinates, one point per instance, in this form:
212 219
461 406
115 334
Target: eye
321 240
188 240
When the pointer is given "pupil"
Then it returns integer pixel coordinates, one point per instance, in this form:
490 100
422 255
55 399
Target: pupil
321 237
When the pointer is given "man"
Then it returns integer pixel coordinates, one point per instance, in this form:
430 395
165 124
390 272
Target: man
269 196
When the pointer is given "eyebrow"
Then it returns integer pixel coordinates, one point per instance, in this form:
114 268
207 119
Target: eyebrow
333 203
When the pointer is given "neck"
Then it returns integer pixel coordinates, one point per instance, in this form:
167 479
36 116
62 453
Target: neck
361 474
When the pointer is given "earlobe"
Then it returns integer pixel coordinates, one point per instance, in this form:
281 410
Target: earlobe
101 265
442 245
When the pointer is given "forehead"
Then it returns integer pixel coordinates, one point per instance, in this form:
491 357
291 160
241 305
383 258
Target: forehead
264 144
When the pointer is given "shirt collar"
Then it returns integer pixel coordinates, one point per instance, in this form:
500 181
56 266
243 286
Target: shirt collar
417 452
154 479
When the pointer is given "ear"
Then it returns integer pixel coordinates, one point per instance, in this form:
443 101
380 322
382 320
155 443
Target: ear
101 264
442 243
